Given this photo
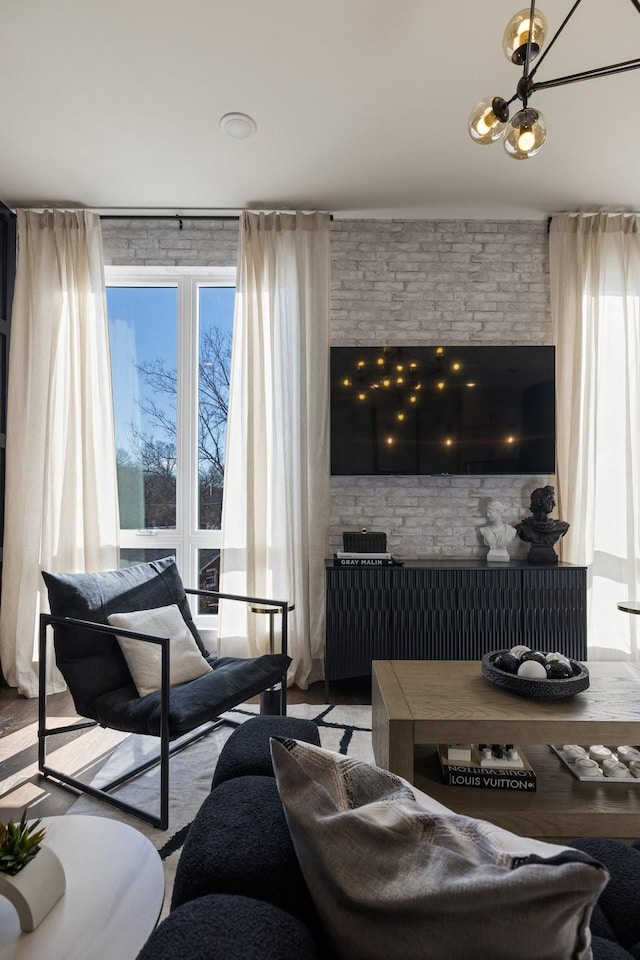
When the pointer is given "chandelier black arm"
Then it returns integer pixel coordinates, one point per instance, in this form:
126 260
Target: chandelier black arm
527 59
556 35
587 75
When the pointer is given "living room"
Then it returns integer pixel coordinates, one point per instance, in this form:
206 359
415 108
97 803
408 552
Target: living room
433 242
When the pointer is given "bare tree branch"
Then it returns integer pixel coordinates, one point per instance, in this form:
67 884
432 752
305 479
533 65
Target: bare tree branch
155 455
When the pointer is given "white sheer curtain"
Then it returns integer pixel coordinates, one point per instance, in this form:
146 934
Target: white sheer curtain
595 299
276 487
61 492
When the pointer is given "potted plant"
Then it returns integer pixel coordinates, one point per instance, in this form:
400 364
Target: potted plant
19 844
31 875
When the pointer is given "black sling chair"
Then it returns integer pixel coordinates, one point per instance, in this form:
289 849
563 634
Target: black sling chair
89 657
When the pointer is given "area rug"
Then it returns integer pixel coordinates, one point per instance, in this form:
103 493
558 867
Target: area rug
345 729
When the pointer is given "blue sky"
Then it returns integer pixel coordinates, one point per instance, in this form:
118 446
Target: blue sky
143 328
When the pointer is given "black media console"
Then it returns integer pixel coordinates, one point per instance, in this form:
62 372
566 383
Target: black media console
450 610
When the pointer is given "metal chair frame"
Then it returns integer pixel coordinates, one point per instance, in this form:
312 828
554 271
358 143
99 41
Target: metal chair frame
167 747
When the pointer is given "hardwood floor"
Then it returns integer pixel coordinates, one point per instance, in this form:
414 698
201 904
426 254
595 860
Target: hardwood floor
20 783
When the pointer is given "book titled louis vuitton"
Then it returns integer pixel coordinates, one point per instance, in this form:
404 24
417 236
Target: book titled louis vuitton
497 771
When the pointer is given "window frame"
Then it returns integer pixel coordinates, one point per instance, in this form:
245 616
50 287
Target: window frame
187 539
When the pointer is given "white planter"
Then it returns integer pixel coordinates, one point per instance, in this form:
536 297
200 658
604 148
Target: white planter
36 889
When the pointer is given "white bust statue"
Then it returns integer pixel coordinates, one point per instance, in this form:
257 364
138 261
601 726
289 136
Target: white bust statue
497 534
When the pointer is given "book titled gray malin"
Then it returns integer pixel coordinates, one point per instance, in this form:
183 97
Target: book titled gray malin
362 562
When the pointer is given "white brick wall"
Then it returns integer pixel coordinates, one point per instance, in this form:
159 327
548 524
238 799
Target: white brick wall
401 282
428 282
201 243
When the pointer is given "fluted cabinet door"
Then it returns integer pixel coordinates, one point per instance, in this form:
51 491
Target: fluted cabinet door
556 610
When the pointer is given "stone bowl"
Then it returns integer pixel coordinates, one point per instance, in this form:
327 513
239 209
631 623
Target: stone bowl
536 689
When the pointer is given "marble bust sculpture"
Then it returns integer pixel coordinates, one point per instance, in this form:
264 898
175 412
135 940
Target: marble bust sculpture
497 534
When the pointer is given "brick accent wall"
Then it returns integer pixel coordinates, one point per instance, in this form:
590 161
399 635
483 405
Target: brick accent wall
417 282
401 282
161 243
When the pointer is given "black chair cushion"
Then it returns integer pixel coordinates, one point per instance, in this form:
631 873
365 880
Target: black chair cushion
92 663
247 751
224 927
232 680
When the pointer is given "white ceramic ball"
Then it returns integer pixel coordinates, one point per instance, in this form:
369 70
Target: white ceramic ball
519 650
550 657
532 670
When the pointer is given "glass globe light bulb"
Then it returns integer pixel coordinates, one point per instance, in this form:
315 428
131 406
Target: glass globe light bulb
526 134
516 35
485 126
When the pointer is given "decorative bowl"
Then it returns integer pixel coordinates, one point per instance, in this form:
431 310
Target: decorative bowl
537 689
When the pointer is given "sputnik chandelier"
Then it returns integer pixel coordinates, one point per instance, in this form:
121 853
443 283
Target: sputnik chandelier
524 134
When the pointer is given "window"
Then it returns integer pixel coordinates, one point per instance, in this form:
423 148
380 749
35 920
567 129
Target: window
170 332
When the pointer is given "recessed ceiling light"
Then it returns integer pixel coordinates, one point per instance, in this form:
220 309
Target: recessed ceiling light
238 126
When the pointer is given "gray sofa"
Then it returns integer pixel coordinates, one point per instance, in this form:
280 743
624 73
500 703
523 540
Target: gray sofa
239 893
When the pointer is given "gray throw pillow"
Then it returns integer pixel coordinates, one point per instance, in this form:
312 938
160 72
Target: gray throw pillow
393 880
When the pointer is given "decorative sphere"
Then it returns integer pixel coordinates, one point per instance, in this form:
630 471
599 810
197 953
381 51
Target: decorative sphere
558 670
532 670
519 650
557 656
507 662
534 655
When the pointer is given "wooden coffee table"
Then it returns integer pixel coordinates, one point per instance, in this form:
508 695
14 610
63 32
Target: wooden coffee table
420 703
114 894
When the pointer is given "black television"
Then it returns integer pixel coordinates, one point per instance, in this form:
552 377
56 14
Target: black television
445 410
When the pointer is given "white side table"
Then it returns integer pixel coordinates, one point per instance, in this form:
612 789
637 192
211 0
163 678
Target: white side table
115 889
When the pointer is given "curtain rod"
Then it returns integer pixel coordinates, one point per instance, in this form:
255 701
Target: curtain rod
169 216
180 217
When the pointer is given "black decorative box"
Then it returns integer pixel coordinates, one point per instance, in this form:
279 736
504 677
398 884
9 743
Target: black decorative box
366 541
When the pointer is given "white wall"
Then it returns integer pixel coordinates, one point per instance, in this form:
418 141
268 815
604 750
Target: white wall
401 282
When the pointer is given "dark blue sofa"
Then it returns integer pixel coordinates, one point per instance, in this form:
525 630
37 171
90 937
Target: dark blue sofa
239 893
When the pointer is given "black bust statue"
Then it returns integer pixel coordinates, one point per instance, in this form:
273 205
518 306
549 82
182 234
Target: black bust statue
539 530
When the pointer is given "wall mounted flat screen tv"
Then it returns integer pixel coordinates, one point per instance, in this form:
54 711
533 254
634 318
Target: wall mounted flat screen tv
442 410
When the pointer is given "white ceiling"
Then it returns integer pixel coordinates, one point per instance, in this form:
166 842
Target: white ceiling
361 107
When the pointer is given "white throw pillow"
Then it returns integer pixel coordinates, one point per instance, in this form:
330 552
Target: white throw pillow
394 880
144 659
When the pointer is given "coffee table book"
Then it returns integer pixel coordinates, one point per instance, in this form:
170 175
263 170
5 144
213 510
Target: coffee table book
476 773
364 560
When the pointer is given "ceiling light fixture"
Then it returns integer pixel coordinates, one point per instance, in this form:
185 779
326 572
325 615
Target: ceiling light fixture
238 126
524 134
